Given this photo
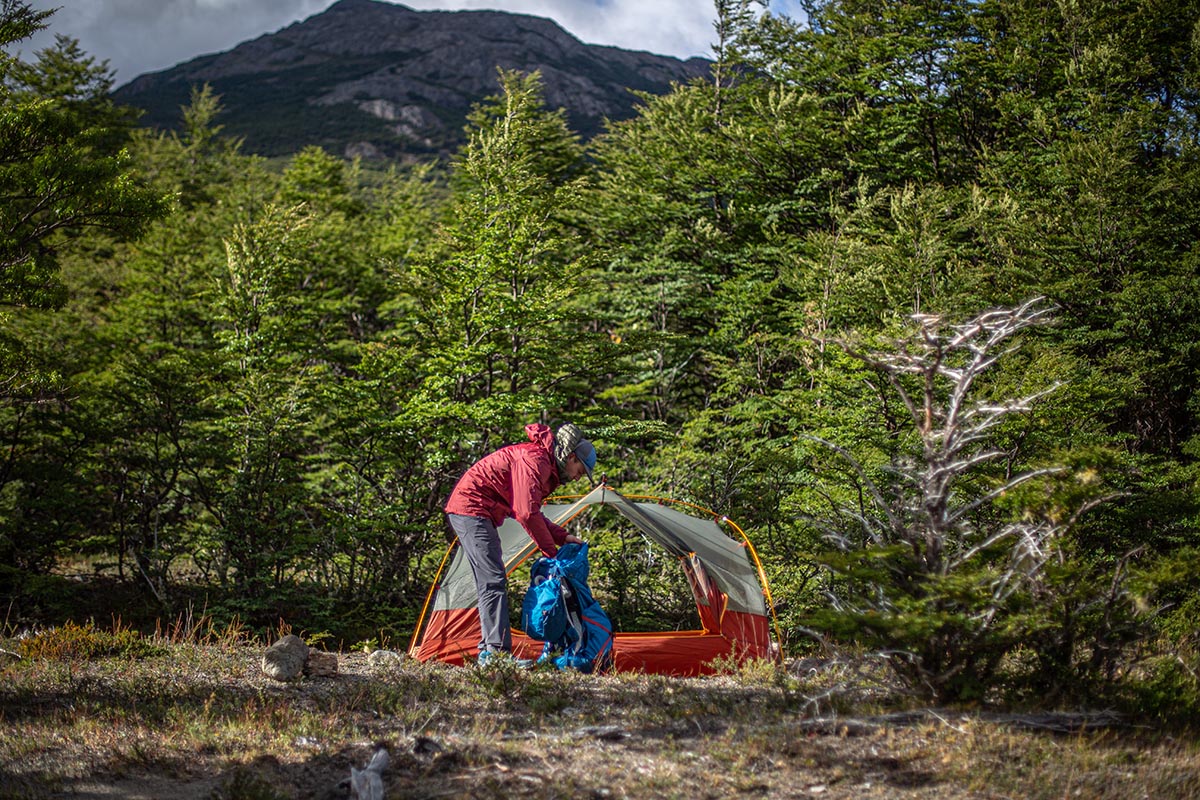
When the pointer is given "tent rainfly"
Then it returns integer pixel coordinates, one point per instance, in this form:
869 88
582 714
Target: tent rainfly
725 576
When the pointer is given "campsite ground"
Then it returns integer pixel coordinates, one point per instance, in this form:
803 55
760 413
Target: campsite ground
187 721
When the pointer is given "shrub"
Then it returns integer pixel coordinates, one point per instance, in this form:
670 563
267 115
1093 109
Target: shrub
74 642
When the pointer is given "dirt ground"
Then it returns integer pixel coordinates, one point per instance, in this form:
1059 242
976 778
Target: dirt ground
206 723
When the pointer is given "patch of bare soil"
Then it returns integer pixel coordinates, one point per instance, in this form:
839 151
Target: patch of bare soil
206 723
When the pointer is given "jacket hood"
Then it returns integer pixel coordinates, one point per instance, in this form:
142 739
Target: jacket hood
542 435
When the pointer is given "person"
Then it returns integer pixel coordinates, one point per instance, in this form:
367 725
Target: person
512 482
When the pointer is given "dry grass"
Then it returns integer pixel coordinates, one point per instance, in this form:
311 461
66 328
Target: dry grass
186 720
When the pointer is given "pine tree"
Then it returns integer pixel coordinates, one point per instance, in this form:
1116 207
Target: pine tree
62 164
64 169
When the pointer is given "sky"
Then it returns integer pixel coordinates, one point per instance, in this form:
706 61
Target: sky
139 36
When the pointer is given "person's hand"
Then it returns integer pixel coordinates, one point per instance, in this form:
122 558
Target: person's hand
571 539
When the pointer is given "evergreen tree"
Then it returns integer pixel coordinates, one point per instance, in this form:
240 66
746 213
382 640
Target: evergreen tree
497 334
160 384
62 164
486 335
269 361
64 169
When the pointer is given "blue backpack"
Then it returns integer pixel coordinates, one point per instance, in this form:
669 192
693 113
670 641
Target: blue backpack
559 610
544 609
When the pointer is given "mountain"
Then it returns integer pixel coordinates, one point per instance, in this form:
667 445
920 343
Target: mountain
377 79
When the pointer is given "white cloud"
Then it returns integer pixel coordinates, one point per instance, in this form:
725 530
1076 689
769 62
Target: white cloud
682 28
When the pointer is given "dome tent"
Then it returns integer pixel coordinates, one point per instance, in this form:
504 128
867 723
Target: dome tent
726 578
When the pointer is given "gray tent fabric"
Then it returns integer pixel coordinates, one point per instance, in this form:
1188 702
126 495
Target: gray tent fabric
458 585
724 560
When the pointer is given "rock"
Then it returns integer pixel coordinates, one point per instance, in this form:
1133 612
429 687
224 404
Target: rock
284 660
321 665
606 732
363 150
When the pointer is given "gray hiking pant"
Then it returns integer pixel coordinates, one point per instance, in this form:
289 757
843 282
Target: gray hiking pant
481 546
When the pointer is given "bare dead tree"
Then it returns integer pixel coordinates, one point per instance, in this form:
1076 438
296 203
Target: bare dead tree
931 505
954 429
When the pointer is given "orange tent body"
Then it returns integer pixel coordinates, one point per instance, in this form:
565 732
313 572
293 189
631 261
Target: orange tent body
725 575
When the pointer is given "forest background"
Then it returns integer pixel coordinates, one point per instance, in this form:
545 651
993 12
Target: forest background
909 291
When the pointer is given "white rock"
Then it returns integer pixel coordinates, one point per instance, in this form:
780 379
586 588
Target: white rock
284 660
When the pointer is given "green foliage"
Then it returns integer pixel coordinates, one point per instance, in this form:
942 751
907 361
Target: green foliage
683 209
64 168
267 342
271 390
517 124
62 162
495 336
1167 688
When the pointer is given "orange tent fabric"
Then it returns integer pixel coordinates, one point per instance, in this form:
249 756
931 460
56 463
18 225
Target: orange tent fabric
725 575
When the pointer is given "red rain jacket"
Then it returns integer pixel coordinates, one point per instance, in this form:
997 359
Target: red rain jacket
513 482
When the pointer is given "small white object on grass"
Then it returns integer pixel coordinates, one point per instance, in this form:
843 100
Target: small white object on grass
367 783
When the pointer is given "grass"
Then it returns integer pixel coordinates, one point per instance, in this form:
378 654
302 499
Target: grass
193 716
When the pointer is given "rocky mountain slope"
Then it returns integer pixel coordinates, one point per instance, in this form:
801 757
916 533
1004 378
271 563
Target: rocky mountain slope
378 79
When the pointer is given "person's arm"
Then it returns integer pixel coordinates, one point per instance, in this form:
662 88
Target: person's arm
527 508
